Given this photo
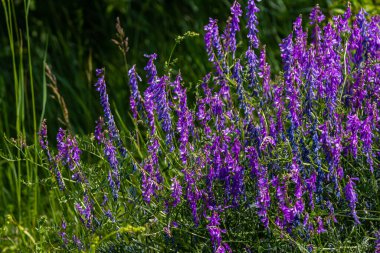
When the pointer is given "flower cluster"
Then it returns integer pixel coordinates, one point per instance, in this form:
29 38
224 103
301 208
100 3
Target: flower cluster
283 151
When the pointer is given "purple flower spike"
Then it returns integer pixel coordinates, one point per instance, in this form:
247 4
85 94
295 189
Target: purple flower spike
264 73
316 15
353 127
43 140
215 232
320 228
263 198
252 24
98 133
185 119
150 68
176 190
135 99
229 36
352 197
212 41
112 129
85 211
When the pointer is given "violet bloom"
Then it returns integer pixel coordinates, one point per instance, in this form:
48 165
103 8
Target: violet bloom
192 194
252 23
316 15
162 107
311 188
229 36
237 76
212 41
135 99
366 136
113 176
292 93
149 108
253 159
352 197
185 118
353 127
264 73
150 68
98 133
63 234
78 242
377 242
215 232
148 184
85 211
112 129
263 198
332 74
176 190
43 140
237 172
331 216
252 68
320 228
296 178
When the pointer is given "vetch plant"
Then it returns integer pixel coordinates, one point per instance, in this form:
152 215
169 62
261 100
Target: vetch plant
250 160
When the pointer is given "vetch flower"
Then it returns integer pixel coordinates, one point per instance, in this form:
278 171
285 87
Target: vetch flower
135 99
252 23
112 129
176 190
352 197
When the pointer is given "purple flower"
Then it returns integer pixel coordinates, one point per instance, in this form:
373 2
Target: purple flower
215 232
252 23
44 141
352 197
98 133
148 184
192 194
320 228
149 108
264 73
253 159
366 137
229 35
185 118
316 15
135 99
252 67
331 213
176 190
112 129
150 68
377 242
85 211
212 41
311 188
63 234
353 126
156 99
263 198
290 78
296 178
113 175
78 242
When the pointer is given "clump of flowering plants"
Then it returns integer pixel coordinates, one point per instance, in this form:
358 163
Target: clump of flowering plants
256 163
